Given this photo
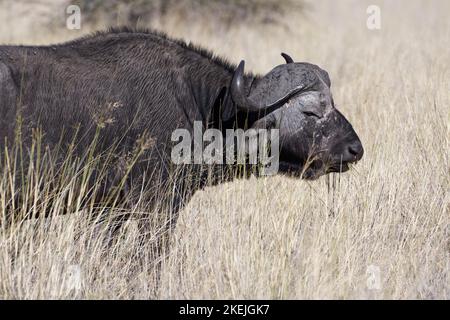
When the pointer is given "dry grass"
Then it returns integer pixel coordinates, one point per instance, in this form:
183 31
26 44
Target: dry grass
278 237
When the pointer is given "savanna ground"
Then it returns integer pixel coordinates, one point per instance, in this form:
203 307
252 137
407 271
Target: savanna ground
380 231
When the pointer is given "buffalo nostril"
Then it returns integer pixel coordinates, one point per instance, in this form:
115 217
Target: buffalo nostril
356 150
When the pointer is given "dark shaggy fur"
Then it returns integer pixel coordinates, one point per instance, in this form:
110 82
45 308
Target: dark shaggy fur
134 85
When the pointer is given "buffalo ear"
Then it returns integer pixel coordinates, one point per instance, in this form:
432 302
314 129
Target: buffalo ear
228 109
223 109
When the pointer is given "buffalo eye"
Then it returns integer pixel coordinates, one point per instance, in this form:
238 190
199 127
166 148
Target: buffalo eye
312 114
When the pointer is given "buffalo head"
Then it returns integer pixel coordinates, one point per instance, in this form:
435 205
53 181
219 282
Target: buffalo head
315 138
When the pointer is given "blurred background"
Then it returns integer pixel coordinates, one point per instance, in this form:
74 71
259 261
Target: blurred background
236 28
255 30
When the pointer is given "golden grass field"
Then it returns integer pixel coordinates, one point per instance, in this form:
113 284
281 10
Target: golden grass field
379 231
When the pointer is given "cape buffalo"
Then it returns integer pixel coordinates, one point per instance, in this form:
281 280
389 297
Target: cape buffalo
133 87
